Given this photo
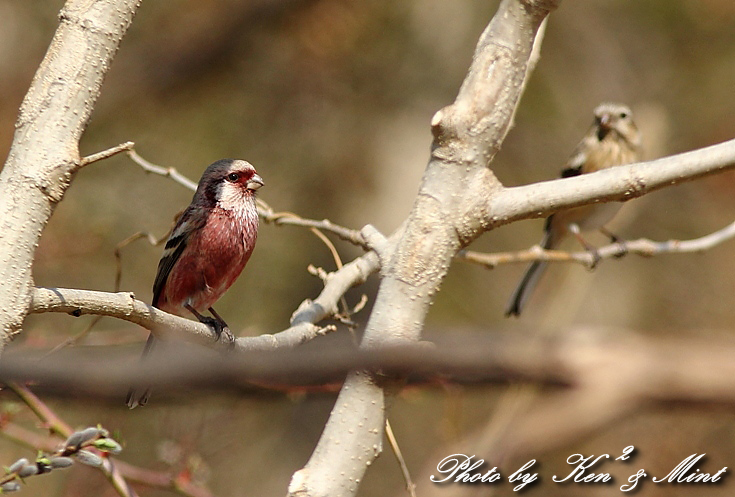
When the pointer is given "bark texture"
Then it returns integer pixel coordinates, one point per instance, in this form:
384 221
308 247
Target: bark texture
45 151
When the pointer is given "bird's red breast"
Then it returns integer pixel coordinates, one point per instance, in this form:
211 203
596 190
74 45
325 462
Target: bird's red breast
214 257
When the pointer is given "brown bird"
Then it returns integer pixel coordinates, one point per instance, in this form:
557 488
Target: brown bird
612 140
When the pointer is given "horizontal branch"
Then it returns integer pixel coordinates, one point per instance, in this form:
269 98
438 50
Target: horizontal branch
674 369
290 219
124 305
615 184
642 246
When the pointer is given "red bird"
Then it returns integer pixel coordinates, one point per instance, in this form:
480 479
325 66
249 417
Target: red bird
208 248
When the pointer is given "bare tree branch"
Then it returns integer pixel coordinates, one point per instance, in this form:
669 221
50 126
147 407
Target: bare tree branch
614 184
448 213
642 246
168 172
57 426
106 154
673 369
123 305
266 211
44 154
410 485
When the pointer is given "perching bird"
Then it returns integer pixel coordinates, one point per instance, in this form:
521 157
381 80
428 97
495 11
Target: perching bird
613 140
208 248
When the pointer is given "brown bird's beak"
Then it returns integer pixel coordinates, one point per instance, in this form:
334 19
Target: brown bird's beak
605 121
255 182
603 124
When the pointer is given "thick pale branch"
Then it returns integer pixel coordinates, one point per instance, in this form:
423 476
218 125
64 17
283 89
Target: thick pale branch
124 305
449 211
615 184
44 154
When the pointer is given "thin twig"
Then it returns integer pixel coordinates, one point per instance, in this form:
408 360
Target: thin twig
76 338
133 238
168 172
289 218
642 246
55 425
157 479
59 427
266 211
345 315
410 485
106 153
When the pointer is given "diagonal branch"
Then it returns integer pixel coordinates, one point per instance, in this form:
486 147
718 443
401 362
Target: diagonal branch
447 214
58 427
44 154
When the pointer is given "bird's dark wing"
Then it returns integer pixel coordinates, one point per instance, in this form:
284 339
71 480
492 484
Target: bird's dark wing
574 168
175 245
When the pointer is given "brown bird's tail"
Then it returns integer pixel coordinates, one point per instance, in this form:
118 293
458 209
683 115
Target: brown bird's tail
134 398
531 277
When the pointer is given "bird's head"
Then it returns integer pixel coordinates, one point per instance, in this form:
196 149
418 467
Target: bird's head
228 182
616 122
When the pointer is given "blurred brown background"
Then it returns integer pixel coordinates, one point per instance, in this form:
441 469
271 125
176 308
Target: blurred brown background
331 101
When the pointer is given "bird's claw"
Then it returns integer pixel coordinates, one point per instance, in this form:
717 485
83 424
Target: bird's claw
220 329
623 249
596 258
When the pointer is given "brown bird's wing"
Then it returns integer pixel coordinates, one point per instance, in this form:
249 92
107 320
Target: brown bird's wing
175 245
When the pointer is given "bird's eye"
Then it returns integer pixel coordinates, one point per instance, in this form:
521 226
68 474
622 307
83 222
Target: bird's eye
233 177
623 115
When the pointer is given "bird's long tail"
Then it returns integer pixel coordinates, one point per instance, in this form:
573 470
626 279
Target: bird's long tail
135 398
530 278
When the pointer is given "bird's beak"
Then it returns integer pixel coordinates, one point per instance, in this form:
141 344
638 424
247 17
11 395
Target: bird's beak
603 126
255 182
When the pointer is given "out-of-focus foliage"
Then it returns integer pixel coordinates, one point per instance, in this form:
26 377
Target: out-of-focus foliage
331 101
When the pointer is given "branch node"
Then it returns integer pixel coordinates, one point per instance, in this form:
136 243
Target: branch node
105 154
376 241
